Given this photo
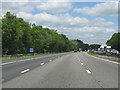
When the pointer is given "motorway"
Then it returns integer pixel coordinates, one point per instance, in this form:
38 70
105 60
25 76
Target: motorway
71 70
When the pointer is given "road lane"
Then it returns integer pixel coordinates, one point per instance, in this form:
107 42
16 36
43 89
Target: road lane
106 73
67 72
12 70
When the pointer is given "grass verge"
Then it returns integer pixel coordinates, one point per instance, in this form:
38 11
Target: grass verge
24 57
92 53
117 60
100 56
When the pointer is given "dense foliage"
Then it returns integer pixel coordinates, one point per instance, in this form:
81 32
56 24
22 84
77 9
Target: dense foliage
114 41
18 36
94 46
81 45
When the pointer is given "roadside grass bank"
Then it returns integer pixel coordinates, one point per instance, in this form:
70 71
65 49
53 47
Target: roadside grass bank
117 60
92 53
105 56
26 56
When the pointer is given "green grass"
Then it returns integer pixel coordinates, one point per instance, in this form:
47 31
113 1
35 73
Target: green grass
23 57
92 53
117 60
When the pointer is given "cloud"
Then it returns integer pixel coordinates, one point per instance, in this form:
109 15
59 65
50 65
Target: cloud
95 29
89 30
55 6
102 9
101 22
15 0
15 7
63 20
98 35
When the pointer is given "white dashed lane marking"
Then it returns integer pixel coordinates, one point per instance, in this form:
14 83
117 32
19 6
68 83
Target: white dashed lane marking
50 60
81 63
79 60
88 71
42 64
24 71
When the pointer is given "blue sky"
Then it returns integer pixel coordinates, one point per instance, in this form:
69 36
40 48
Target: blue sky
91 22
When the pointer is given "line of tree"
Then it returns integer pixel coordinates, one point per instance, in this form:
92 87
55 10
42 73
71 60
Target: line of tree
114 41
18 36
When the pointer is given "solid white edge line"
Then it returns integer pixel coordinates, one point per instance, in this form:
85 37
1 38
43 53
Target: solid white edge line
103 59
8 63
15 61
88 71
20 60
24 71
42 64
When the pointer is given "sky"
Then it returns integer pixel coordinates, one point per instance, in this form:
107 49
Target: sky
91 22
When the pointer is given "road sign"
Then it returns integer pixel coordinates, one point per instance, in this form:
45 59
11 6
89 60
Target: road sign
31 50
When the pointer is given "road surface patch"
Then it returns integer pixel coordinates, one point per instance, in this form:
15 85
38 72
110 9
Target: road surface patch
24 71
88 71
2 80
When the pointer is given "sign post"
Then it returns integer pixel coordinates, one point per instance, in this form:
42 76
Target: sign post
32 51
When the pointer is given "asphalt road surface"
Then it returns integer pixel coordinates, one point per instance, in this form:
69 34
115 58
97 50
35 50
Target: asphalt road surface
73 70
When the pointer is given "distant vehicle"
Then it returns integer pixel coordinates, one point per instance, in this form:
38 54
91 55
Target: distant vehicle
75 50
102 52
114 51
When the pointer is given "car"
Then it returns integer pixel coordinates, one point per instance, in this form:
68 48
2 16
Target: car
114 51
101 52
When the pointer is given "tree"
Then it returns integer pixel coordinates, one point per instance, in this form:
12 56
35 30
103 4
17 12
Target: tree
15 34
18 36
94 46
114 42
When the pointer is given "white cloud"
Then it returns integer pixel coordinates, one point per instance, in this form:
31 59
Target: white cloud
102 9
96 29
111 30
15 0
55 6
90 35
64 20
102 22
15 7
90 30
24 15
